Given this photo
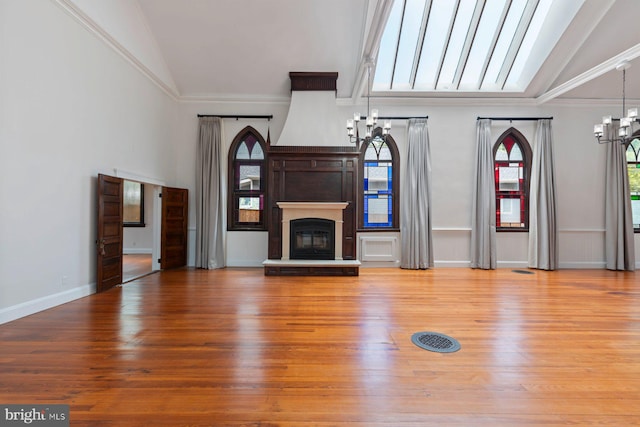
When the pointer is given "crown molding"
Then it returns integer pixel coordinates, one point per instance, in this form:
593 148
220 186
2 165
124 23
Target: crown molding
587 76
441 101
223 99
72 10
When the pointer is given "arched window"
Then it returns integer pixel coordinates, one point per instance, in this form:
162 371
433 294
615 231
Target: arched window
512 165
379 198
247 184
633 167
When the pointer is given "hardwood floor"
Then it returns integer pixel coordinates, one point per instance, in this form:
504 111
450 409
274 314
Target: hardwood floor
235 348
135 265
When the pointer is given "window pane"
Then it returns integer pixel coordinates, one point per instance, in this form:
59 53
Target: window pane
634 187
243 152
634 178
633 150
377 178
132 200
385 153
501 154
248 177
370 153
509 178
257 153
635 209
407 45
456 43
249 209
516 153
510 212
487 27
377 211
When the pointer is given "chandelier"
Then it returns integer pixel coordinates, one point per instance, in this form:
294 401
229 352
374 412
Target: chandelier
370 120
602 130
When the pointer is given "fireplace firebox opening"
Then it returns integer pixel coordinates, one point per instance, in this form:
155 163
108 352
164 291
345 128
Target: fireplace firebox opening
312 238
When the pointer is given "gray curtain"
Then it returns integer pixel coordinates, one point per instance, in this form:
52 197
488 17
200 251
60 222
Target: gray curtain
415 221
618 236
483 214
543 236
209 195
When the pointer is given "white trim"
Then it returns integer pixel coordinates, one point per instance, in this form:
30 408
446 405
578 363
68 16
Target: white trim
34 306
82 18
244 264
131 176
452 264
380 264
513 264
583 265
212 98
600 69
137 251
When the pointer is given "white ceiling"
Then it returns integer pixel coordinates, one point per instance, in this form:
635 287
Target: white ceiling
245 49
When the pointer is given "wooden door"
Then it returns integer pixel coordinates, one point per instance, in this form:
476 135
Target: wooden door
109 236
173 252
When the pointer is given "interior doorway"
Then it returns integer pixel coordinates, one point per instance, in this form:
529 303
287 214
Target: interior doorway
168 211
141 229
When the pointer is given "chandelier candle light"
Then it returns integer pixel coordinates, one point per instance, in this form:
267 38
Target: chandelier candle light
371 120
601 130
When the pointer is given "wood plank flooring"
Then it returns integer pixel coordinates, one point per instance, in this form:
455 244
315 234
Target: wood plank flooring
235 348
135 265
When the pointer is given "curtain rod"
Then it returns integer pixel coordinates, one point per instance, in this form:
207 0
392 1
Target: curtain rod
236 116
397 117
515 118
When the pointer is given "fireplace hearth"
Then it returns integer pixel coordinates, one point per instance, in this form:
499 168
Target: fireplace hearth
318 226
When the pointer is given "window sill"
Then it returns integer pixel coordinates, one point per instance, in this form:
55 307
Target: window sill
377 230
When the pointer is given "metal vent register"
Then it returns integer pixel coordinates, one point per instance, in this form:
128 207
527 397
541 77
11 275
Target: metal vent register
434 341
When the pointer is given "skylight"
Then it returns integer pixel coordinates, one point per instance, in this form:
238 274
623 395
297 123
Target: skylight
468 45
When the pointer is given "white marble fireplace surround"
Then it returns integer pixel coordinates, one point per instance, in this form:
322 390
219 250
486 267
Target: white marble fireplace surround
323 210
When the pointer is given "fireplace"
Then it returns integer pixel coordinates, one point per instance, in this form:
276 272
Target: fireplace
312 238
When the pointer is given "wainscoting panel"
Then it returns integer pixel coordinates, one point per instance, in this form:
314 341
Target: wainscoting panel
581 248
379 249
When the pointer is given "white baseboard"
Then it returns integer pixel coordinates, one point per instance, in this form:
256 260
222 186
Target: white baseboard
244 263
31 307
452 264
379 264
132 251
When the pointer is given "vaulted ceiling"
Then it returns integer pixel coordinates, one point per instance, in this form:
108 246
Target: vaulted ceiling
244 49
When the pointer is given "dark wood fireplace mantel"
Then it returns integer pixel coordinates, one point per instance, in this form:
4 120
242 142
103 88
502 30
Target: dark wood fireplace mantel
312 174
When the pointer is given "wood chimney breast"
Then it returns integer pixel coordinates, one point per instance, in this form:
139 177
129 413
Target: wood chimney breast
313 176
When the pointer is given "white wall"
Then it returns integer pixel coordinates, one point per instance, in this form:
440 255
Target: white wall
243 249
70 108
579 172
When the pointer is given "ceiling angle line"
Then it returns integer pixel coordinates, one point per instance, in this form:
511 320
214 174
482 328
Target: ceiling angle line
237 116
600 69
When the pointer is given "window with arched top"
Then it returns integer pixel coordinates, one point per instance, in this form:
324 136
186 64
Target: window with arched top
512 169
379 198
633 169
247 184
